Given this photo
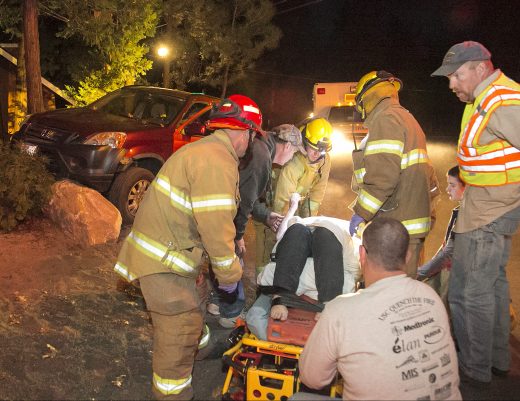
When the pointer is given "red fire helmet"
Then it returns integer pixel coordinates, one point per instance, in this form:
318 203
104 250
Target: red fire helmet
236 112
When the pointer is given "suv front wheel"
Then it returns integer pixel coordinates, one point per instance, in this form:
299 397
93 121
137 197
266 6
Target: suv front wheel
128 190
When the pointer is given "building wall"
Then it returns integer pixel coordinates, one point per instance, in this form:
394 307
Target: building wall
8 97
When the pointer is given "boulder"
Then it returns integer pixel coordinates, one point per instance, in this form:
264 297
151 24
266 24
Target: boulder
83 214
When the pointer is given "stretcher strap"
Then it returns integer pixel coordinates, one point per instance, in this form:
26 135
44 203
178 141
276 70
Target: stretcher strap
289 299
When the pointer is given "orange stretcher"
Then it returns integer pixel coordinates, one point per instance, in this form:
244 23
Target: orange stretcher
268 370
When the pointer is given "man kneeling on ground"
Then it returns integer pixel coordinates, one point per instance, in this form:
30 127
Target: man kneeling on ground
390 340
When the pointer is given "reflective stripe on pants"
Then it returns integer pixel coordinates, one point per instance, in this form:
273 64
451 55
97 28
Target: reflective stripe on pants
175 342
177 317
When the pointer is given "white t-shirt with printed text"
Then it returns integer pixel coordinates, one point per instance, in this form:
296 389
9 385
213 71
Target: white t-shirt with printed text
389 341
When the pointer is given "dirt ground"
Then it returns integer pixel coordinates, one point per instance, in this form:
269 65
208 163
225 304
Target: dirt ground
70 329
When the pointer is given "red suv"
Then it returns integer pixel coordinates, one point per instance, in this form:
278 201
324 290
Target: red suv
117 144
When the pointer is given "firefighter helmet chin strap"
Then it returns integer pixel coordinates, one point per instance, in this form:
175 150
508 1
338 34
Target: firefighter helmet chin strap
322 156
322 148
380 76
246 159
361 108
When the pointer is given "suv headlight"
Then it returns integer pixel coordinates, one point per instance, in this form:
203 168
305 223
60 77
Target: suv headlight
112 139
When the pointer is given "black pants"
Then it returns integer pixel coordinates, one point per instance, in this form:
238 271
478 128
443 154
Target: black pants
299 243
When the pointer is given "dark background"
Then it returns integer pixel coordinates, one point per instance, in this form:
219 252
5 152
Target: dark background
341 40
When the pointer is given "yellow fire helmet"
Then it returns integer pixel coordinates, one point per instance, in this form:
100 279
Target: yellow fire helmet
316 133
368 81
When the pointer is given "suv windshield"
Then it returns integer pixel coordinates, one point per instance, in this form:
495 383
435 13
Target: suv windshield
149 106
344 114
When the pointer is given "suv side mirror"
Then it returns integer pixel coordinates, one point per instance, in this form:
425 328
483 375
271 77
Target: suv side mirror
195 128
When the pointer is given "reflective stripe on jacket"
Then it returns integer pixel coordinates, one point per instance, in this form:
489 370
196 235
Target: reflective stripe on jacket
495 163
309 180
188 209
392 172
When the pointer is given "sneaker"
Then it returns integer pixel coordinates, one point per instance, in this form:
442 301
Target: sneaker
214 350
213 309
230 322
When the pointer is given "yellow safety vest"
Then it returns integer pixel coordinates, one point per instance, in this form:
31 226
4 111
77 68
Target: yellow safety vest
495 163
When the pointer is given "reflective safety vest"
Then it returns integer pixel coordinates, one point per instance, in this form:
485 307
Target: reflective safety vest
495 163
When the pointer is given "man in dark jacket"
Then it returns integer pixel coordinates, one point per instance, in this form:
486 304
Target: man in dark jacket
276 147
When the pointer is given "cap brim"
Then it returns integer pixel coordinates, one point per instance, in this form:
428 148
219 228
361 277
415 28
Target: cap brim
446 69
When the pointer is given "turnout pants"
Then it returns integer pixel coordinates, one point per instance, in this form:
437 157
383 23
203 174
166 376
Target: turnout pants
265 240
300 243
416 249
175 306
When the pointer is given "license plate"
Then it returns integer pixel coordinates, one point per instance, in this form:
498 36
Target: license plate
29 149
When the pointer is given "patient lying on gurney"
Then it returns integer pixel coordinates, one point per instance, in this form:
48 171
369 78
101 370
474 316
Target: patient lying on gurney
315 257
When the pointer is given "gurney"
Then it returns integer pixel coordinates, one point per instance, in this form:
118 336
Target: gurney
268 370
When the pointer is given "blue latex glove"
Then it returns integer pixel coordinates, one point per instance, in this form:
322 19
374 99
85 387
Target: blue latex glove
355 221
422 274
228 288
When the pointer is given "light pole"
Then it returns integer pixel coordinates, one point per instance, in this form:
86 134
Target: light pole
163 52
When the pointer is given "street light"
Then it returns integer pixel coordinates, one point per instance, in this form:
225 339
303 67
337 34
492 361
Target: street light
163 52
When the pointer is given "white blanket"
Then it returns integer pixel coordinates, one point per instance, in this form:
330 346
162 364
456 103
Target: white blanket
307 284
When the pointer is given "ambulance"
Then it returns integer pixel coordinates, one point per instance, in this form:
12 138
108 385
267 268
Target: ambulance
335 102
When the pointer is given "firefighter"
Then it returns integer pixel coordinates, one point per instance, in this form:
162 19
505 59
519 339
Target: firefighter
186 215
307 174
392 169
276 147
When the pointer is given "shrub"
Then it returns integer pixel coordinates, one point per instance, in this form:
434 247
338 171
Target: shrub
25 185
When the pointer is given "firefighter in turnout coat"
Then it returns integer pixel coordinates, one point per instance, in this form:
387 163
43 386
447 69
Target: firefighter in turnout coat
392 170
186 215
306 173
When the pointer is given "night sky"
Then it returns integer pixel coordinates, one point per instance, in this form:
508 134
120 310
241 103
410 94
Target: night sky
341 40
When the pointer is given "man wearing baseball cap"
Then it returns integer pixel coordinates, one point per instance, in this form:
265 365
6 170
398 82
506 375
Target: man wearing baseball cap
278 147
488 155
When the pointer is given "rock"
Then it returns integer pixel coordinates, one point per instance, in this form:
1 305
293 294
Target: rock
83 214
